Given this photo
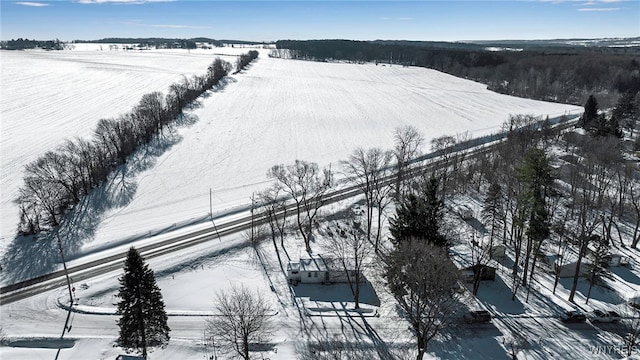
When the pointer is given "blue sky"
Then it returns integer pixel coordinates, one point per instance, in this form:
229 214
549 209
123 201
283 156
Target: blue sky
359 20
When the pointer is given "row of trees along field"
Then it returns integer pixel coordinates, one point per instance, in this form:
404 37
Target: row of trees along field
245 59
58 180
567 74
533 201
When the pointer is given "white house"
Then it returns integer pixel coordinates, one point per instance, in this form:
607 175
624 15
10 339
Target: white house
495 249
569 270
616 260
318 269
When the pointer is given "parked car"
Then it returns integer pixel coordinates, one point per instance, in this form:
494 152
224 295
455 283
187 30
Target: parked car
464 211
573 316
477 317
603 316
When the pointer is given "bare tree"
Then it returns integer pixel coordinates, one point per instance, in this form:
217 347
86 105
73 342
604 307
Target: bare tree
151 113
634 195
630 331
274 207
217 70
47 192
453 157
480 258
382 197
243 318
366 169
514 344
443 146
408 140
352 250
426 284
81 155
560 228
586 206
3 337
307 186
598 259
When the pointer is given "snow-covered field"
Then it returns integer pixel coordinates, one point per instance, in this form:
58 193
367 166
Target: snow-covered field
49 96
274 112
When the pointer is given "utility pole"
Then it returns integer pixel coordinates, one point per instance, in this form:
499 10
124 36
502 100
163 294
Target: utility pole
211 213
64 265
252 204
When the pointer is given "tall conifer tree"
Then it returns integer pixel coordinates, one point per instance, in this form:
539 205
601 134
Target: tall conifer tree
143 321
590 115
419 216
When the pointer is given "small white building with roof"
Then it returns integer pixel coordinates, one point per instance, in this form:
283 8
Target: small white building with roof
318 269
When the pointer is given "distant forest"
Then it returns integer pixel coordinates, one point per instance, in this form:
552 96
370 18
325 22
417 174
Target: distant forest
159 43
551 72
22 44
169 43
164 43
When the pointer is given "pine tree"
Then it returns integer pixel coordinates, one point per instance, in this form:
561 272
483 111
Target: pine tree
143 321
590 114
606 127
536 174
492 210
419 217
626 111
614 126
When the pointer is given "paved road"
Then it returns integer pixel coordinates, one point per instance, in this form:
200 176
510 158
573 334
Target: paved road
25 289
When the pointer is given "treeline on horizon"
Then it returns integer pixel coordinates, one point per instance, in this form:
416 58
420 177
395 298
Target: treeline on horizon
22 44
168 43
567 75
58 180
215 42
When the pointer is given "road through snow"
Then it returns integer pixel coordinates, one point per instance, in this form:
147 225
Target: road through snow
274 112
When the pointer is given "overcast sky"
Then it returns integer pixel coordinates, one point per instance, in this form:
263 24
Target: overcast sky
357 20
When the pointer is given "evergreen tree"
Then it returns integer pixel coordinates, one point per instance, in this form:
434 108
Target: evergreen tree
614 126
492 210
143 320
590 115
536 174
606 127
419 217
626 111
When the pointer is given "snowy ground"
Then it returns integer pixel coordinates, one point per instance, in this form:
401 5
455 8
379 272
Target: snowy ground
274 112
317 314
49 96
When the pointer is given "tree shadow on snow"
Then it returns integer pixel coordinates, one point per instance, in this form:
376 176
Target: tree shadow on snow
496 295
470 342
222 85
336 293
598 292
626 274
29 257
357 341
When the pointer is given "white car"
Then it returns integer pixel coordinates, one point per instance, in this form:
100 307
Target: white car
603 316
